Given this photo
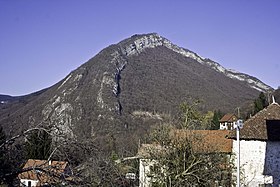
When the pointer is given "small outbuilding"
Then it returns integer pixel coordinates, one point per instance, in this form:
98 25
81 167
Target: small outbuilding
227 121
44 173
260 148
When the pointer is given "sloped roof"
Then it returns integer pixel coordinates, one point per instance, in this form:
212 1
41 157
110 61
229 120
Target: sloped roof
265 125
206 141
202 141
228 118
148 150
42 170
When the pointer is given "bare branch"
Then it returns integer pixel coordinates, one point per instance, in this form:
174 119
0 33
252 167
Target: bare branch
24 133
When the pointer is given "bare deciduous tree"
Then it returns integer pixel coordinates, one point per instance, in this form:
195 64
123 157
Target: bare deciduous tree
178 163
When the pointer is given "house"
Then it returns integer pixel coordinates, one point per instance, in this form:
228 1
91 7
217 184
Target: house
260 148
43 173
145 163
202 141
227 121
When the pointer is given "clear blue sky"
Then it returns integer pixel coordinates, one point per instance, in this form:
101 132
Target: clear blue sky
42 41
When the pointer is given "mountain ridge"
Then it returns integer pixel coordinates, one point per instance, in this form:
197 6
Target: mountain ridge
124 90
157 40
153 39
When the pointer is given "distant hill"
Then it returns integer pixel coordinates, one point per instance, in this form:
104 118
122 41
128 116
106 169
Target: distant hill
129 86
5 98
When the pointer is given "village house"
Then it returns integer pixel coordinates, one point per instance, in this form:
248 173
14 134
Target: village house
44 173
260 148
227 122
145 162
202 141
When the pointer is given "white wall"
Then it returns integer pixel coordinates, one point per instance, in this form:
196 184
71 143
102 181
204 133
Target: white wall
223 126
258 162
24 182
144 170
226 126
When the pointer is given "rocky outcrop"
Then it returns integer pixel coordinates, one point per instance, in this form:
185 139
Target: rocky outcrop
143 42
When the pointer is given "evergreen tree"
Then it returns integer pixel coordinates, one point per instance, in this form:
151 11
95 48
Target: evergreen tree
216 120
260 103
38 145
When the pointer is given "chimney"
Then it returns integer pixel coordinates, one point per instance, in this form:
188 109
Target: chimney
273 100
50 162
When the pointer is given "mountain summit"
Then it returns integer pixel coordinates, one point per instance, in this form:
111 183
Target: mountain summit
128 86
137 43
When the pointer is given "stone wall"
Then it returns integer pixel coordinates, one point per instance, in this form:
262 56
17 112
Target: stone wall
259 162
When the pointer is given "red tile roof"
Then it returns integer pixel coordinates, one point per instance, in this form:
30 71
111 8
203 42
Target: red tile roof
228 118
148 150
202 141
42 170
206 141
265 125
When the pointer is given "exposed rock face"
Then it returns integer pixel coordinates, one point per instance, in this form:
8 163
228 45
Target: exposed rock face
154 40
145 74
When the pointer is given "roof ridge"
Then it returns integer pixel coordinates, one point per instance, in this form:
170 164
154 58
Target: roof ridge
274 103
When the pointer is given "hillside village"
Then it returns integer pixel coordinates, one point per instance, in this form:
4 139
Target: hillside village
259 146
123 93
259 150
142 112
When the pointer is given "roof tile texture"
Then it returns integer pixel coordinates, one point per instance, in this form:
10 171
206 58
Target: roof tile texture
42 170
261 125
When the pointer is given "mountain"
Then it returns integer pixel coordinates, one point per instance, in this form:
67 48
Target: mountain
126 88
5 98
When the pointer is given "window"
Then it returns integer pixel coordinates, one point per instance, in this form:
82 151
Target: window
273 129
23 182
